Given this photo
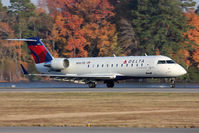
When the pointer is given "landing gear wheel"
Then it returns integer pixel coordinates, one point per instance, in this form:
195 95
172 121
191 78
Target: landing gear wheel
110 84
92 85
172 86
172 83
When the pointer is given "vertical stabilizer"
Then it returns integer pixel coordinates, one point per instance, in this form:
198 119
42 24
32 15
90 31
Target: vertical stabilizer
39 52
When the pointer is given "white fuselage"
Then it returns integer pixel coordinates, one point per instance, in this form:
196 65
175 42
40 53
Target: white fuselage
127 66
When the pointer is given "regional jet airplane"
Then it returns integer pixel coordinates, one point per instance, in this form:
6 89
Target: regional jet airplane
107 69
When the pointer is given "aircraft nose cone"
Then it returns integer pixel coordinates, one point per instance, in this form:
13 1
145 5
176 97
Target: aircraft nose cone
182 71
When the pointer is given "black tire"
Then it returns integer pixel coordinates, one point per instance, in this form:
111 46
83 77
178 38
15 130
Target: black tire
110 84
92 85
172 86
172 83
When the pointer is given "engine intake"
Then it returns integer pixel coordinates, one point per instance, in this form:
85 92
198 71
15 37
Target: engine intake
59 63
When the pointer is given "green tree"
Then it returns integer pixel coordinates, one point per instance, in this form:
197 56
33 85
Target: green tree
125 31
21 13
43 24
1 6
3 13
159 25
26 22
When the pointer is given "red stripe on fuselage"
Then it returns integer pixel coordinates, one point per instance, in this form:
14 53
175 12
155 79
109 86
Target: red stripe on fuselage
40 51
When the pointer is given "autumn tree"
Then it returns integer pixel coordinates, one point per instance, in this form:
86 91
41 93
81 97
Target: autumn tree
193 35
82 27
20 20
10 53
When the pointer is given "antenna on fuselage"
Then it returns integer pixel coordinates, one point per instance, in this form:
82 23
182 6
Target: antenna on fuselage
145 54
114 55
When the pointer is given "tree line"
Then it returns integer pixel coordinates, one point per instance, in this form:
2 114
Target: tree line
82 28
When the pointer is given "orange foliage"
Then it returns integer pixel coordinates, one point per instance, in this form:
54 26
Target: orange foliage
196 55
104 35
5 30
81 23
40 10
10 54
186 56
193 35
157 51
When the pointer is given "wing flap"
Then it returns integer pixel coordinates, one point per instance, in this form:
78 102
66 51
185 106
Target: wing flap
96 76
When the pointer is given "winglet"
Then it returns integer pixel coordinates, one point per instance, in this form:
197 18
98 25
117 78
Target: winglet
25 72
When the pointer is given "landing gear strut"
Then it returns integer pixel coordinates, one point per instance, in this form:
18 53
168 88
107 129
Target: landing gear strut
110 84
172 82
92 84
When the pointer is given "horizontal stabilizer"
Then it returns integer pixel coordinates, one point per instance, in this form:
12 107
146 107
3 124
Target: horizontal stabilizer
25 40
25 72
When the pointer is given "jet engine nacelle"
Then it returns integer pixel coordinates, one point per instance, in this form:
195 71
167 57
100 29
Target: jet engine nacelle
59 63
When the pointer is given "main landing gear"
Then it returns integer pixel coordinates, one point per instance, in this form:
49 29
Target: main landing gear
92 84
110 84
172 82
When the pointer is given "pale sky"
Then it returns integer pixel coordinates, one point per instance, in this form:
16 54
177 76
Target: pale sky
6 2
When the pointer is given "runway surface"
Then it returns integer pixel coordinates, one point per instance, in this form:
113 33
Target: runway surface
174 90
97 129
94 130
100 85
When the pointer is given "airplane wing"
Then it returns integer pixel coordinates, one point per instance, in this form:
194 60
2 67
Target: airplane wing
73 76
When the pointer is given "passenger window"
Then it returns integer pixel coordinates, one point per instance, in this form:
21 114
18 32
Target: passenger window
88 66
107 65
102 65
126 65
97 65
121 65
131 65
161 62
112 65
116 65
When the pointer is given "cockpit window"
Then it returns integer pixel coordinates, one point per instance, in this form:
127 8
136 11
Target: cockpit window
161 62
166 62
170 62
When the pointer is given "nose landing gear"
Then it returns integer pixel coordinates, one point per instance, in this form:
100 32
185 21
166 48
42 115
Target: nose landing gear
172 82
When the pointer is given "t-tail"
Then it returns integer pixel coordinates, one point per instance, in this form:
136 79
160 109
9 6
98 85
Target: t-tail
38 50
